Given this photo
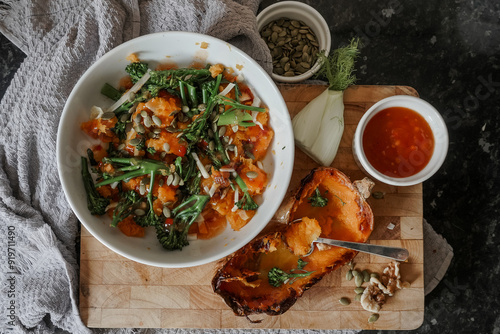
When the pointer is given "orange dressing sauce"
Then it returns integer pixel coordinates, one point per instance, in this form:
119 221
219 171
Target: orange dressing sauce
398 142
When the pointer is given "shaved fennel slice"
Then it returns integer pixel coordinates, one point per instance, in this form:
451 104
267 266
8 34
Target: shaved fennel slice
318 128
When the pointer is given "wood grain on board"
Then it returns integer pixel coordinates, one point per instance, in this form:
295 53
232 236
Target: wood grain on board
117 292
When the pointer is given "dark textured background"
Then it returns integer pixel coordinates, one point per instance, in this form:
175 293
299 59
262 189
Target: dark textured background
449 51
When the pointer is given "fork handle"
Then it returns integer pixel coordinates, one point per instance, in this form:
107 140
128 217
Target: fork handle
395 253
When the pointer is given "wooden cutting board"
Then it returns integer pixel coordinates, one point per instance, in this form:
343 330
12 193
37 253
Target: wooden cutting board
117 292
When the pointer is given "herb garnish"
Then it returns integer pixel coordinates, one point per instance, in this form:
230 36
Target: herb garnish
277 276
317 200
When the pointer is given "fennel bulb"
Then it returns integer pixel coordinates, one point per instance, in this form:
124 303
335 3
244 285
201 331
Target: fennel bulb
319 126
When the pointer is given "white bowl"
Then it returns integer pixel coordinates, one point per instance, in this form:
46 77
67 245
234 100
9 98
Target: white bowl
301 12
182 48
436 123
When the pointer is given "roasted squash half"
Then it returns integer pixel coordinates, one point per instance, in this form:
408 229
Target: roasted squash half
243 280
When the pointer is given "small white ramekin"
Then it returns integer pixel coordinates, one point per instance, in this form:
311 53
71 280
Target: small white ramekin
311 17
436 123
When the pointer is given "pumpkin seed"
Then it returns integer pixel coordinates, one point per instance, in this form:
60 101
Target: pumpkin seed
266 33
374 317
124 118
305 65
142 189
358 280
349 275
157 131
378 195
274 36
156 120
175 181
185 109
366 276
140 128
170 178
344 301
355 273
252 174
358 297
211 145
147 121
166 147
145 180
359 290
139 212
222 131
108 115
166 212
135 141
374 275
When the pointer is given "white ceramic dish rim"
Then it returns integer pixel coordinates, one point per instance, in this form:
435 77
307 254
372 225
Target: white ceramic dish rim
281 160
310 16
438 127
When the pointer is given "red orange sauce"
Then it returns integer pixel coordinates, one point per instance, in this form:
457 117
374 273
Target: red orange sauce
398 142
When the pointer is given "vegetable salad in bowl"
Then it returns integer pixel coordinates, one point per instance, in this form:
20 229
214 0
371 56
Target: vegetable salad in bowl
180 152
174 150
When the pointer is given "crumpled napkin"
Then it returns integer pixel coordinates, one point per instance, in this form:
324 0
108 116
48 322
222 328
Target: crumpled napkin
61 39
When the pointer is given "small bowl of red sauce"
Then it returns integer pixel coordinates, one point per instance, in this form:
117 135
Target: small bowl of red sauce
401 140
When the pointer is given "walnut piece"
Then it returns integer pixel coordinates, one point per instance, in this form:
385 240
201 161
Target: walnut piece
374 295
364 187
372 298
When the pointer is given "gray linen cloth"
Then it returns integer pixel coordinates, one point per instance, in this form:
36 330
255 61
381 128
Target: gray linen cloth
62 38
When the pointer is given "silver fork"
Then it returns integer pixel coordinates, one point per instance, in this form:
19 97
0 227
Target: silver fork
394 253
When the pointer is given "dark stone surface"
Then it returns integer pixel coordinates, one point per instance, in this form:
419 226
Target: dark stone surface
449 51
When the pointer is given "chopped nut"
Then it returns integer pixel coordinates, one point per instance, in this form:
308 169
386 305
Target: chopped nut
372 298
364 186
374 295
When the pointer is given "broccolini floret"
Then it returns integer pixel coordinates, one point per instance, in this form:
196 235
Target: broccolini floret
175 236
136 70
95 202
128 202
134 167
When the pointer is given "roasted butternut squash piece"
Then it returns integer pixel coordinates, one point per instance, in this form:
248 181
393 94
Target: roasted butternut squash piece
271 272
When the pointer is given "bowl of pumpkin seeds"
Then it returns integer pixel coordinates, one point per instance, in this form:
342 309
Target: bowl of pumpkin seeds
295 33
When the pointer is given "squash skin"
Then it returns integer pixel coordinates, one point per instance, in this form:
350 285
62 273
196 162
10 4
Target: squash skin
264 252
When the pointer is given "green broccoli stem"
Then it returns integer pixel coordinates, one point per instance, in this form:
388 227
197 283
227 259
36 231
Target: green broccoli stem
247 202
95 202
111 92
230 102
137 167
